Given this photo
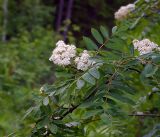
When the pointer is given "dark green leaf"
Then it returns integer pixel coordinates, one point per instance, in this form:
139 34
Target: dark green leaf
156 58
104 32
89 78
53 128
149 70
94 72
90 44
97 35
42 123
119 96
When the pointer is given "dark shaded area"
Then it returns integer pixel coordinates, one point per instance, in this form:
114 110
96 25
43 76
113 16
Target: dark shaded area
26 15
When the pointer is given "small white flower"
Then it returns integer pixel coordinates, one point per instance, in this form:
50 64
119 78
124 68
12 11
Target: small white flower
84 62
63 54
123 12
145 46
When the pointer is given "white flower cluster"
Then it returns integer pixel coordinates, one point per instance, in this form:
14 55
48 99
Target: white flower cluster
63 54
123 12
84 62
145 46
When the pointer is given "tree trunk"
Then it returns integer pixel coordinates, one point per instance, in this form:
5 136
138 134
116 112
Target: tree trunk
68 17
5 20
59 15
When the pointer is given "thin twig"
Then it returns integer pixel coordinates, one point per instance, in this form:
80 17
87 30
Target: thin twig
144 115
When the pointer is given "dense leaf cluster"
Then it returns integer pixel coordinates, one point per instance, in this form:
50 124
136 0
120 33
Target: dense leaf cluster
118 93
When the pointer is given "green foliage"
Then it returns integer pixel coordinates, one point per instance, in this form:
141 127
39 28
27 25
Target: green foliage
119 92
20 72
117 96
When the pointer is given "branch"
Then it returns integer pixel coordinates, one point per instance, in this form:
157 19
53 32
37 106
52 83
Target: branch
144 115
70 110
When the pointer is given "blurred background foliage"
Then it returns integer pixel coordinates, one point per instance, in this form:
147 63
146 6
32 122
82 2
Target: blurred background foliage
27 38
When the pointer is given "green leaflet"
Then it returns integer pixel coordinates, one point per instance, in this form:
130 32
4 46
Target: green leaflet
53 128
46 101
114 29
89 43
149 70
89 78
104 32
94 72
80 83
119 96
97 36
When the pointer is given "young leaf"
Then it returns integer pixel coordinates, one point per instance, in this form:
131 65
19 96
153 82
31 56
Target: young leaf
114 29
94 72
89 78
46 101
97 35
80 83
90 44
104 32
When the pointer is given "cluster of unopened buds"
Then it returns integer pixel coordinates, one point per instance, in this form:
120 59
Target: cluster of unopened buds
64 55
124 11
145 46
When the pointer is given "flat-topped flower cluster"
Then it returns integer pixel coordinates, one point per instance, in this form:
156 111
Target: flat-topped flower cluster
145 46
64 55
123 12
84 62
